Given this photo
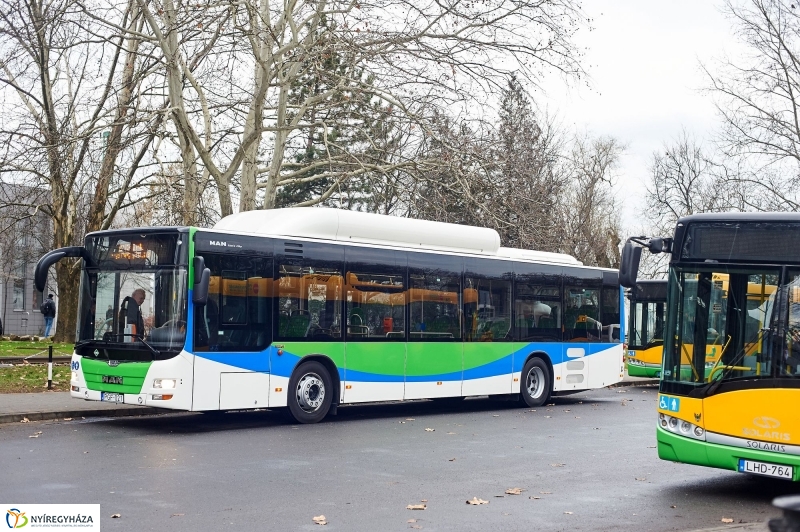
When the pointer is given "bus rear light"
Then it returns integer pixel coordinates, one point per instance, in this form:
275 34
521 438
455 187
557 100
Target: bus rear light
160 397
76 388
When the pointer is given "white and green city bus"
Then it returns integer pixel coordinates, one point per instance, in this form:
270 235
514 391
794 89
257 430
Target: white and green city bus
310 308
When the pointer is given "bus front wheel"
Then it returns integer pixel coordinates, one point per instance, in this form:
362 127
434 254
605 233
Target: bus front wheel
310 393
535 386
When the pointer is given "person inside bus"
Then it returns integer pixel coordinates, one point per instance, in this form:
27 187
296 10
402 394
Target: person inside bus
130 315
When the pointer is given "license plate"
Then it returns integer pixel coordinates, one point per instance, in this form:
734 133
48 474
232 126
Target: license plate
763 468
112 397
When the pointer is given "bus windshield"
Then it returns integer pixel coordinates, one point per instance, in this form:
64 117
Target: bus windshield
731 324
134 297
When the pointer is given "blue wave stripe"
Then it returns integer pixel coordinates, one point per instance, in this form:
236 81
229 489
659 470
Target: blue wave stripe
283 365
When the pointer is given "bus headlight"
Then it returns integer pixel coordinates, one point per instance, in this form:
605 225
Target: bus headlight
164 383
681 427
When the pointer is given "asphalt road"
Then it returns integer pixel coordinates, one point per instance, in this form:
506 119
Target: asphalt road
588 462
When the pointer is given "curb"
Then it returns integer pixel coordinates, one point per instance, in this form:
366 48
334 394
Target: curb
100 412
643 382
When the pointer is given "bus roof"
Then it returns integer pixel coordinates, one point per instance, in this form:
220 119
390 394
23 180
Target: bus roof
740 217
378 229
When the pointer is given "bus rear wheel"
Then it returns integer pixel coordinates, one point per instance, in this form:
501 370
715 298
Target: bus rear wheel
535 386
310 393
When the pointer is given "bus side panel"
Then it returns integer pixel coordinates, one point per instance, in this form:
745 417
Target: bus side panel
285 359
605 364
433 369
487 368
209 366
375 371
522 351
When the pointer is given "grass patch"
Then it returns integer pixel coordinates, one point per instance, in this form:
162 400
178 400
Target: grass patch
26 349
27 378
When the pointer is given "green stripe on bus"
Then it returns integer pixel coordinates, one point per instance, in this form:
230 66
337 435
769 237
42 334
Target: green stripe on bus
690 451
132 373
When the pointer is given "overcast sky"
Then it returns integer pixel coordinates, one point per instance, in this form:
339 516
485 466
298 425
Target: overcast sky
643 57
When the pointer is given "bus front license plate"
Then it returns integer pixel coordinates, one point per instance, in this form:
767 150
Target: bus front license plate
763 468
112 397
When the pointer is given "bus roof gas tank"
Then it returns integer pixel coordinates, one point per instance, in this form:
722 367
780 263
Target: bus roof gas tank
364 228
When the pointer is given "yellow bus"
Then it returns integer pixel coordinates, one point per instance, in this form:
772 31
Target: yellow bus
730 380
648 312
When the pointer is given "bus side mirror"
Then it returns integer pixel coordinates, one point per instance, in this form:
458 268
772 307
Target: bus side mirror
202 277
629 264
51 257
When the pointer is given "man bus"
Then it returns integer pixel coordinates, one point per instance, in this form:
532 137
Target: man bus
309 308
730 374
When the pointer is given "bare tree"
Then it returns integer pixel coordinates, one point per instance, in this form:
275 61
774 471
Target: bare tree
73 110
266 76
757 99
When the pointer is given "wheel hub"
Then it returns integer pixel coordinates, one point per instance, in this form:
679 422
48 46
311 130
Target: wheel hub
535 382
310 392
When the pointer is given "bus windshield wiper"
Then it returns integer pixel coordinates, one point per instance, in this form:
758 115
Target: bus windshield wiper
139 337
727 369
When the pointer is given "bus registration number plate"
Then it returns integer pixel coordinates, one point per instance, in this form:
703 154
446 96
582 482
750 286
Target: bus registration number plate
112 397
763 468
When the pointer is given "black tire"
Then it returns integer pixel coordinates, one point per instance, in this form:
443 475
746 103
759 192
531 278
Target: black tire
535 383
310 393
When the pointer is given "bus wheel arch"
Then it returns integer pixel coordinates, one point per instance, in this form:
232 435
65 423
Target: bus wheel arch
536 380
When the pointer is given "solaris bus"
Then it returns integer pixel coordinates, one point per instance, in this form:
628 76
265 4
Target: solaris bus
730 376
310 308
647 314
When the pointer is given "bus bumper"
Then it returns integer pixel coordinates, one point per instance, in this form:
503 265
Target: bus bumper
690 451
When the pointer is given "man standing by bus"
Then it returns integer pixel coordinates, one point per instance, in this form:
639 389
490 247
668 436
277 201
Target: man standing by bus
48 310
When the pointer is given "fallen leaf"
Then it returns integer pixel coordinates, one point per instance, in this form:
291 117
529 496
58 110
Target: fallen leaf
643 478
651 446
452 460
176 515
726 520
33 436
495 415
596 428
320 520
673 506
548 416
418 527
416 507
476 501
568 513
566 410
451 432
423 500
25 420
533 497
411 521
430 430
621 391
515 491
500 496
67 419
546 492
116 516
402 421
557 465
410 419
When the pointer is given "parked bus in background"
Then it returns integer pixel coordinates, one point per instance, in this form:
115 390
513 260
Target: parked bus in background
731 372
647 315
310 308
